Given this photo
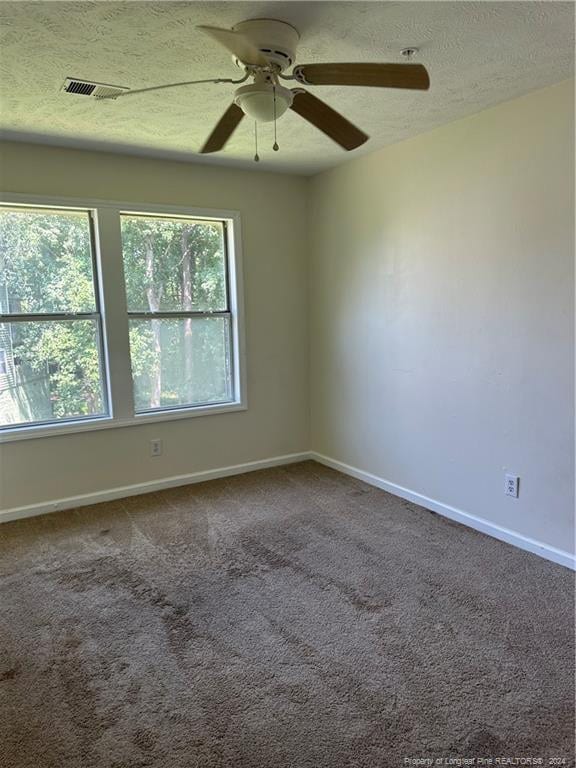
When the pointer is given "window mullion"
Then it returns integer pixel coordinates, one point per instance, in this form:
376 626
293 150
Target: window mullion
108 238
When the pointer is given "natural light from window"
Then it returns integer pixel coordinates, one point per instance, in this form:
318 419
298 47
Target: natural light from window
177 299
109 316
50 334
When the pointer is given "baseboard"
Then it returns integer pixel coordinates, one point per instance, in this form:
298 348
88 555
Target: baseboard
484 526
71 502
479 524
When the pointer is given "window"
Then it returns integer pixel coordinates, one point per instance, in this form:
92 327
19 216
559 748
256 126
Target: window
49 318
110 316
178 307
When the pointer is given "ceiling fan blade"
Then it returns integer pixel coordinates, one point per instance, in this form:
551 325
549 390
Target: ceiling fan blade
223 130
327 120
412 76
237 43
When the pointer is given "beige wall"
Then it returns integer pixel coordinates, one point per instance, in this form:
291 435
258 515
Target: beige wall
442 314
273 209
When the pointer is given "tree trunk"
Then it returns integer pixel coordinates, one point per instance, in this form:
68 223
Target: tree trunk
188 305
153 296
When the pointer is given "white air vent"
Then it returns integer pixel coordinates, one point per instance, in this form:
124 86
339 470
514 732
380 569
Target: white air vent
87 88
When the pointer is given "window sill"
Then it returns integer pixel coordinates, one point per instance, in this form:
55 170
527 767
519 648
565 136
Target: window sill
109 422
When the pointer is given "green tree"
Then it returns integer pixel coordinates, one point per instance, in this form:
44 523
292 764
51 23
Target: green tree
46 268
175 265
54 368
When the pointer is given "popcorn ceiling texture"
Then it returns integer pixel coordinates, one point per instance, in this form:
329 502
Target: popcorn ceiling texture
478 54
290 618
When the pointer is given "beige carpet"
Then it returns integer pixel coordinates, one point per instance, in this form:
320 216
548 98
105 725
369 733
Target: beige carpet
290 618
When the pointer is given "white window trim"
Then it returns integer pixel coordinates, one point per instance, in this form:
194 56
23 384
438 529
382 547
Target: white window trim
108 257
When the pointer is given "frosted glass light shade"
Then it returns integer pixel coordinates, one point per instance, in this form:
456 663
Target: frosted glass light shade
257 101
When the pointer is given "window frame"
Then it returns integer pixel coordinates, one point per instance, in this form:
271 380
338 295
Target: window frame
114 316
179 314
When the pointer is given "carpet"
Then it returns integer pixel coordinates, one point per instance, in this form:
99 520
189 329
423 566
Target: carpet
287 618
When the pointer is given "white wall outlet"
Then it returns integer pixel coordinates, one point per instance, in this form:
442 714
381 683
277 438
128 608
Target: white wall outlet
511 485
156 447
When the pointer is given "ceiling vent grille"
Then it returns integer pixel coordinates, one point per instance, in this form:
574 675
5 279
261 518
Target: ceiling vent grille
86 88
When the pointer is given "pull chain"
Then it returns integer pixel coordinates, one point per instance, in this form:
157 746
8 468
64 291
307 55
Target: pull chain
275 146
256 155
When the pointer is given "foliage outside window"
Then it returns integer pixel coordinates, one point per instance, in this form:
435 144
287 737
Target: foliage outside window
177 298
50 327
179 316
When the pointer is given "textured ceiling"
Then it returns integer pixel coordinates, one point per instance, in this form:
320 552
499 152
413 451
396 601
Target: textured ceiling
478 54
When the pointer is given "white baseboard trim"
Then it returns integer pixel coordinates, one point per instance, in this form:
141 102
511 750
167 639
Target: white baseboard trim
484 526
71 502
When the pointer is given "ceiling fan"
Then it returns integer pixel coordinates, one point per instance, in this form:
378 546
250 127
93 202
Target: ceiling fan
265 49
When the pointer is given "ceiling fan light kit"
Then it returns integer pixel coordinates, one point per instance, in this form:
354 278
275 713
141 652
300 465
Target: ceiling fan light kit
265 49
263 101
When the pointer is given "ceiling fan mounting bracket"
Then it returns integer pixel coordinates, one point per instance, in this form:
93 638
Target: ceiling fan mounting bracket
270 72
276 40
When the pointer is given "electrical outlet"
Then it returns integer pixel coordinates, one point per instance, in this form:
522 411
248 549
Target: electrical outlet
156 447
511 484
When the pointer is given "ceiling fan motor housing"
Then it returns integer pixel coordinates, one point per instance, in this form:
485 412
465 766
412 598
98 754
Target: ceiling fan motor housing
277 40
